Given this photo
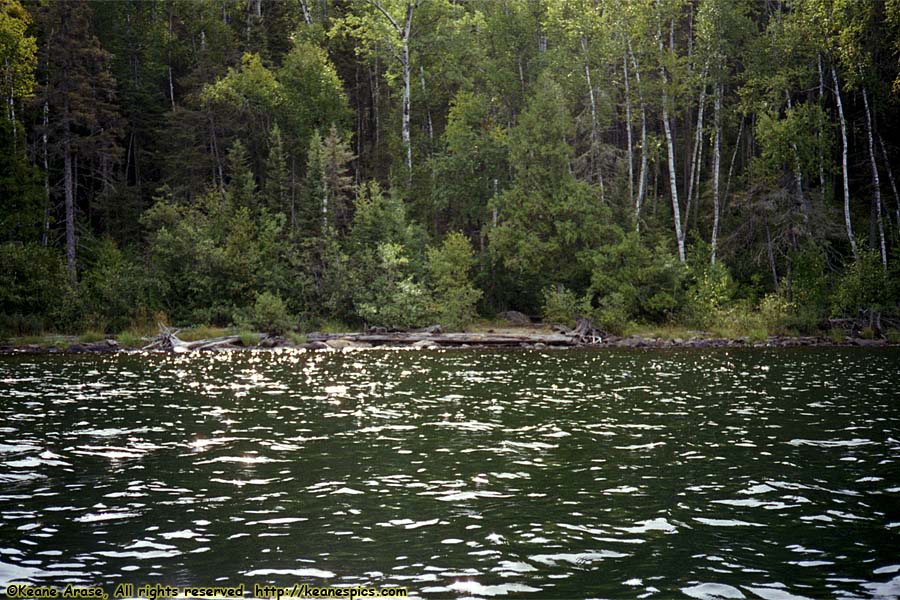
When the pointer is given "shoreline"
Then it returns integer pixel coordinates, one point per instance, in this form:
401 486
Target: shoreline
517 338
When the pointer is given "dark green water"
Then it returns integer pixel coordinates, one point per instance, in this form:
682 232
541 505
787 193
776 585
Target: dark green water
706 474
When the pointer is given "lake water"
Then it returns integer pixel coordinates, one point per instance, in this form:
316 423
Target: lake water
769 474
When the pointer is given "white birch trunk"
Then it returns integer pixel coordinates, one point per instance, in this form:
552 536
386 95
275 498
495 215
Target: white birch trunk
819 133
876 182
305 10
845 169
407 145
673 184
590 85
45 233
694 175
430 123
404 34
717 117
628 130
642 177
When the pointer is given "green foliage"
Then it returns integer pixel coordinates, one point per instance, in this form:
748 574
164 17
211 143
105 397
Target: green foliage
471 167
314 97
130 339
738 320
810 287
278 184
393 299
863 287
34 289
296 338
632 281
264 135
249 339
209 260
709 293
775 312
18 50
89 337
453 295
270 315
113 287
549 222
241 188
21 212
563 306
202 332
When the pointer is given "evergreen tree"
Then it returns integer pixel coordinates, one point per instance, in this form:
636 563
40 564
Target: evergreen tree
79 93
241 188
278 192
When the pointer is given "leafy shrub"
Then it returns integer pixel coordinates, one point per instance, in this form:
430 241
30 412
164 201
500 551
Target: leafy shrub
863 287
393 299
34 288
112 288
634 281
270 315
563 306
710 292
775 312
811 286
739 320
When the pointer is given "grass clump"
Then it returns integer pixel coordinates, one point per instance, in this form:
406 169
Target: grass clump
89 337
836 335
248 339
130 339
334 326
202 332
296 338
893 336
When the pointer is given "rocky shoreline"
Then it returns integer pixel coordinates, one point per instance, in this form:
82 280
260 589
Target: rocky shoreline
435 340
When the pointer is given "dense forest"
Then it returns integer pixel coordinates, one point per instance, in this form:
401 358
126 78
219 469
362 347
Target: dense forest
718 164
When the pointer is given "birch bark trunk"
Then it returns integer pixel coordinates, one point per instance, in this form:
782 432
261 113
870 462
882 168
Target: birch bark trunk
717 117
642 178
628 130
876 182
845 169
673 184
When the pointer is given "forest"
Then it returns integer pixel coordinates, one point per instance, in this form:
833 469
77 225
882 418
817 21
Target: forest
290 165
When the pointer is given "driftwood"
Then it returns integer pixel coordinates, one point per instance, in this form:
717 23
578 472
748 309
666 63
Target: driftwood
168 341
587 333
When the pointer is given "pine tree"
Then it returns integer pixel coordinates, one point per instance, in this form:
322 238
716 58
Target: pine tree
278 191
337 156
313 209
83 123
241 188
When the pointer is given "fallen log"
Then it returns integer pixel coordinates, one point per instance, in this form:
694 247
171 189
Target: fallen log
168 341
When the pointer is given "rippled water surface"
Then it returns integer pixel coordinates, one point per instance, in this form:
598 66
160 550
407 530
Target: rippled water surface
757 474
